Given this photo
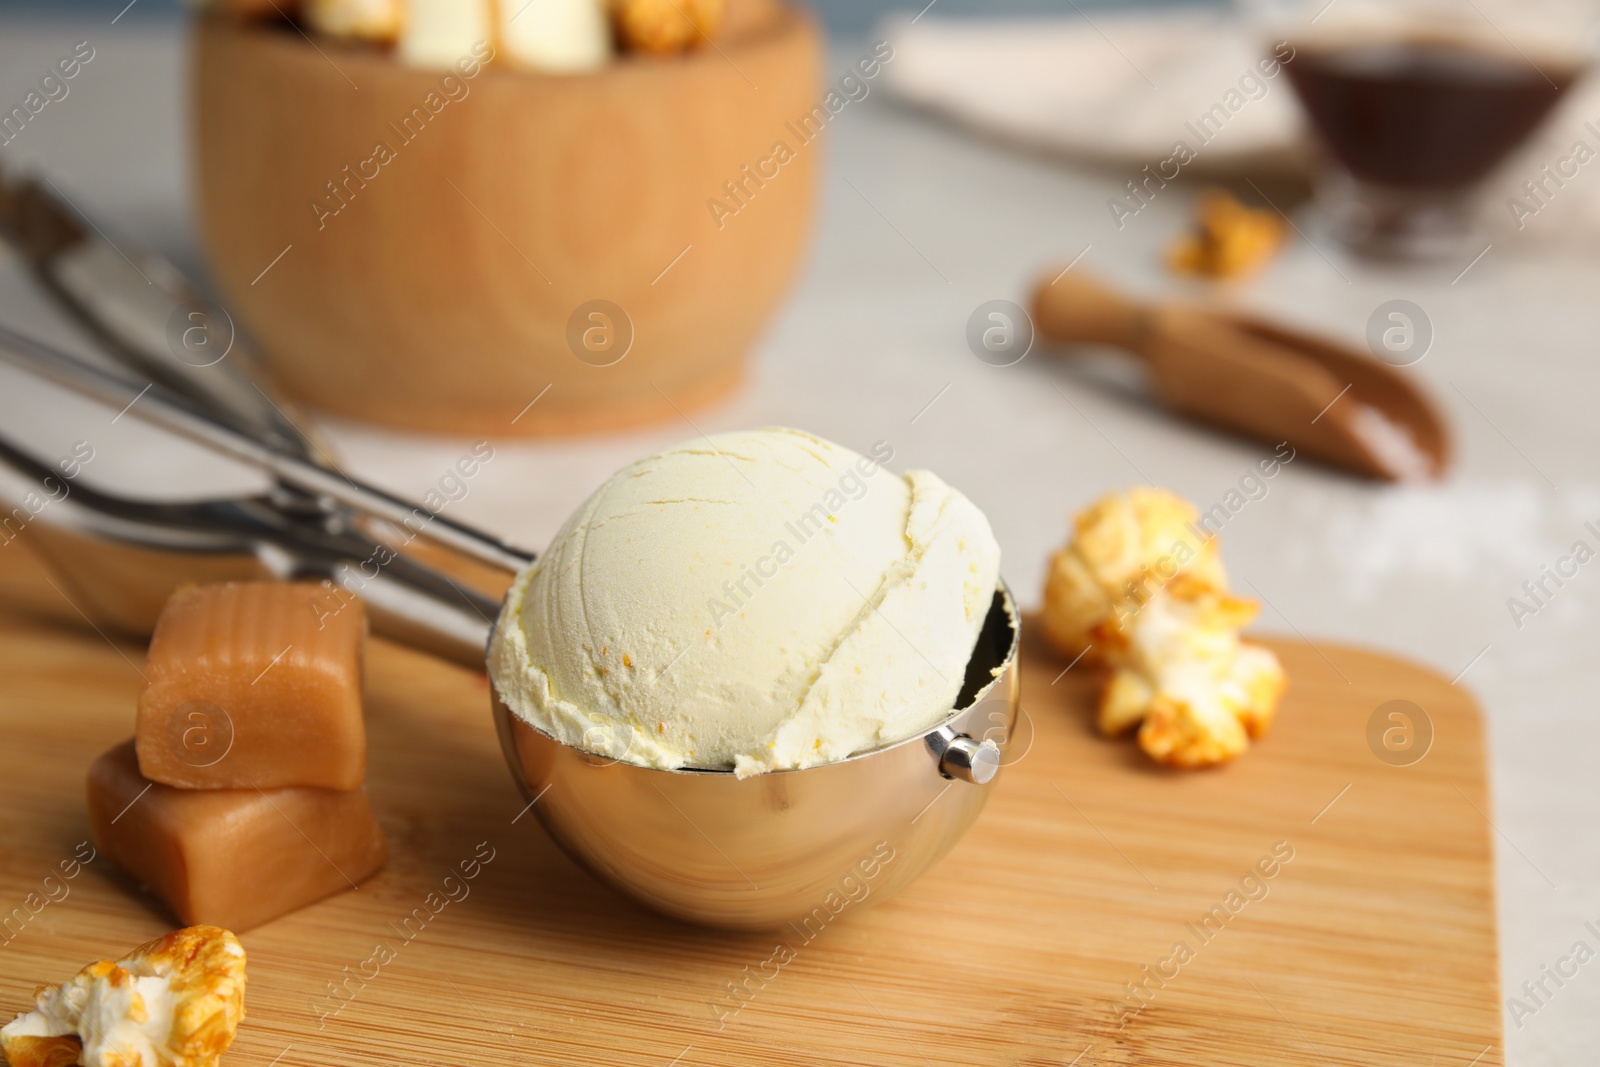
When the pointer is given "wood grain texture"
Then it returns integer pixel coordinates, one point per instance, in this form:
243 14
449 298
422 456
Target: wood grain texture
1374 944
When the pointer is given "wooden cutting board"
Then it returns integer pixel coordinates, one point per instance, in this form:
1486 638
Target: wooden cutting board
1374 944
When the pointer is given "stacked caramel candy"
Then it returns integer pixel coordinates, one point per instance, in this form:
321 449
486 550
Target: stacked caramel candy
241 797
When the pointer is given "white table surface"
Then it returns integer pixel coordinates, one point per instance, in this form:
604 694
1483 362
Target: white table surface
874 331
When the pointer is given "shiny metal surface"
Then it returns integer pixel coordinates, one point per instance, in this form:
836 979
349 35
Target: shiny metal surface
144 311
970 760
789 847
319 486
292 532
123 557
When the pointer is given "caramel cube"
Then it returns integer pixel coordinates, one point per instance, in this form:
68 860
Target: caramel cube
233 858
254 684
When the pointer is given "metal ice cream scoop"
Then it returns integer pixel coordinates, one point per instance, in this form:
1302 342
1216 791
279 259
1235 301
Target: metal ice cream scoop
700 844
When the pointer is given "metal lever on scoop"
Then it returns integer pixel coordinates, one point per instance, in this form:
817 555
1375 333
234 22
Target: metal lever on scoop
963 756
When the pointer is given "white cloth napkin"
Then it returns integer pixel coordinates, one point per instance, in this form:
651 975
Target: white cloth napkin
1105 87
1120 90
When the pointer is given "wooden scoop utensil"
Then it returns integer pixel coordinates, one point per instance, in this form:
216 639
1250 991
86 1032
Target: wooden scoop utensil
1259 379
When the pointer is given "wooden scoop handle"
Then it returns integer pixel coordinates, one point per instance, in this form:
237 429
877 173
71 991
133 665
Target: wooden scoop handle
1248 376
1074 308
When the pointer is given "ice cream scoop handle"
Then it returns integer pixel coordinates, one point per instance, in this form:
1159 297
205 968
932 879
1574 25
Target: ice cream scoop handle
1071 308
177 415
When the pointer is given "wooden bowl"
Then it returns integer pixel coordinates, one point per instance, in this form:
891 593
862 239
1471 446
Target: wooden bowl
450 287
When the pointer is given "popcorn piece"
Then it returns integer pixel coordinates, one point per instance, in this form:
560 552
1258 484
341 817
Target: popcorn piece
1256 684
552 35
440 33
665 26
1205 691
555 35
1124 549
26 1050
174 1002
255 684
1143 588
1229 239
1124 702
367 20
428 33
1194 731
232 857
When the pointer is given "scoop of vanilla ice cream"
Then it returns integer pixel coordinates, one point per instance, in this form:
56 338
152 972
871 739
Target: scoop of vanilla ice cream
761 600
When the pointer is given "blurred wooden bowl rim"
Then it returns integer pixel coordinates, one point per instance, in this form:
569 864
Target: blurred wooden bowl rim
432 287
